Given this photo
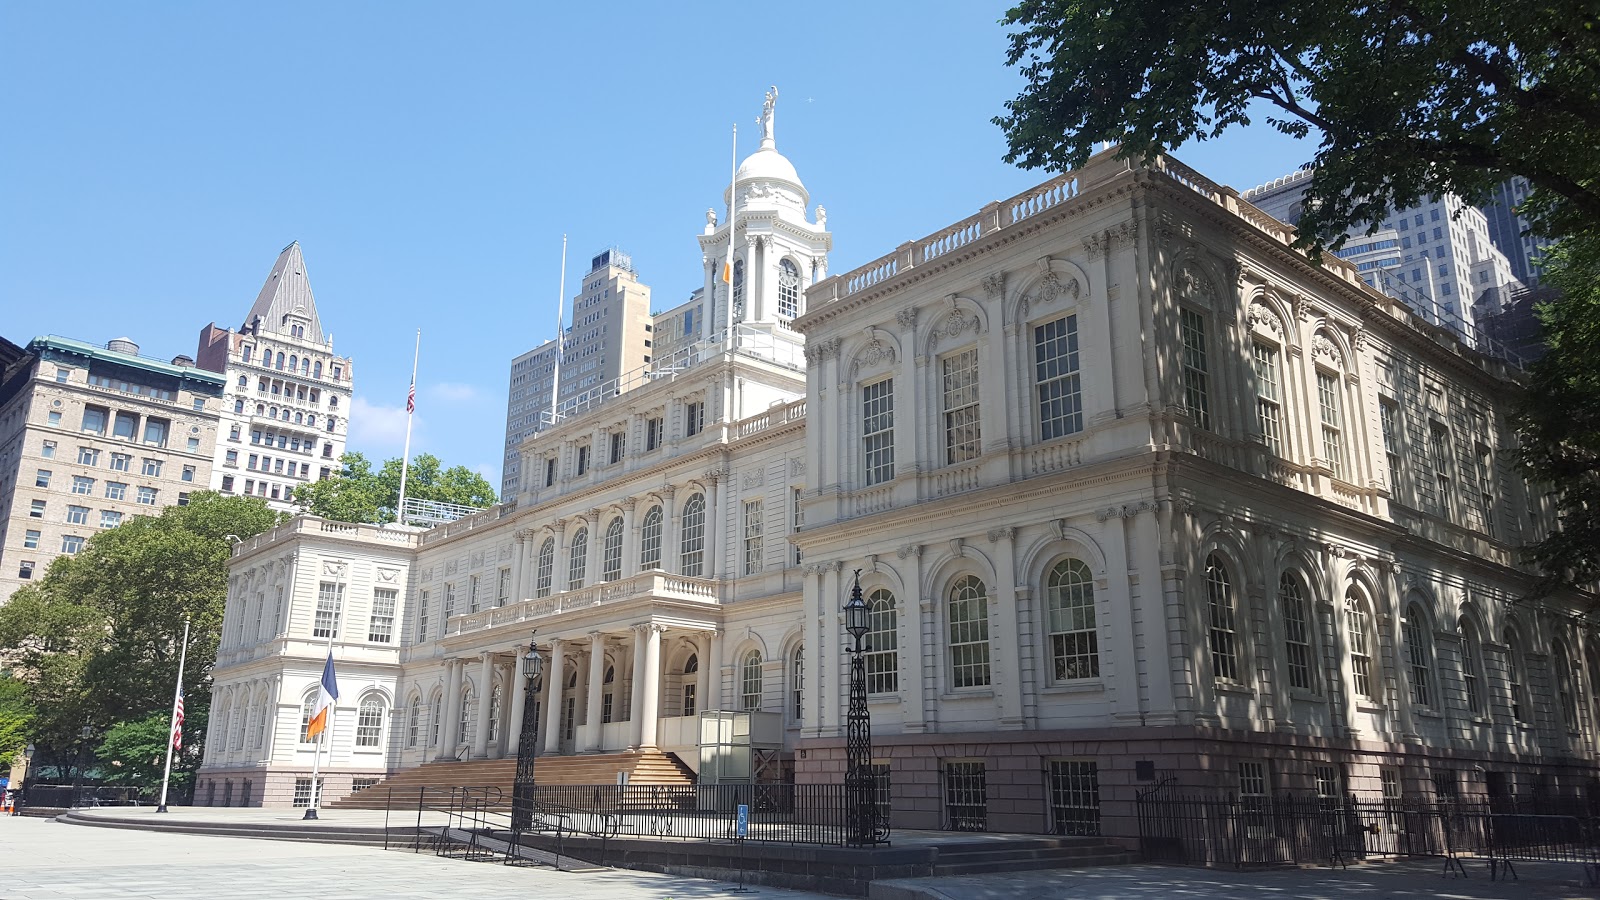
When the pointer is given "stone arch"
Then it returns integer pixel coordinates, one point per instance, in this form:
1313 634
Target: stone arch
954 562
1225 537
1266 312
873 353
951 320
1329 344
1052 284
1036 560
1193 277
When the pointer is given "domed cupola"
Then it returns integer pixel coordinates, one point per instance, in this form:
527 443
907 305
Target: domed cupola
766 180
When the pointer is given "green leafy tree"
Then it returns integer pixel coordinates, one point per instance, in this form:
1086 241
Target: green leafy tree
360 494
134 753
16 717
96 640
1405 101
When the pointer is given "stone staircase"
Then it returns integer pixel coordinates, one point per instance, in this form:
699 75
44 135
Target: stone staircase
1022 853
642 766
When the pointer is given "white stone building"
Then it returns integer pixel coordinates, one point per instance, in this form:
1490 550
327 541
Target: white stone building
1133 487
286 412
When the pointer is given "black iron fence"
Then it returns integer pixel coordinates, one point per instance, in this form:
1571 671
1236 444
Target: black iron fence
1290 830
68 796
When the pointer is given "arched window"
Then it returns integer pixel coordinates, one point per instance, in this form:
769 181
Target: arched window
691 684
1224 638
788 290
298 417
260 740
280 359
882 642
1296 634
693 524
1514 672
1074 640
316 369
1358 622
369 721
261 409
1566 696
1419 655
750 681
611 552
294 362
414 722
1471 666
465 722
305 363
650 540
494 713
435 719
244 381
797 680
547 568
968 609
307 710
580 559
607 694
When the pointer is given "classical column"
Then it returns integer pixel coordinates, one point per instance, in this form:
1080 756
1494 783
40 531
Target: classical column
630 537
669 531
811 621
636 700
552 712
652 684
519 569
518 686
480 739
713 671
713 524
595 688
597 540
452 712
558 576
914 674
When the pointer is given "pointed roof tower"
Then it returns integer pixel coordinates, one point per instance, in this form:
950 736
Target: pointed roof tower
285 300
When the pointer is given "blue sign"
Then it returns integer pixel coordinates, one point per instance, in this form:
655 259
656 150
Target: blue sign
742 824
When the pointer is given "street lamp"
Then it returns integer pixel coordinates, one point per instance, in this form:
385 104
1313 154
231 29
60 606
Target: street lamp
860 782
522 788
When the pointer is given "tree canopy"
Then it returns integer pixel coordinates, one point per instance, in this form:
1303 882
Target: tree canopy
1405 101
359 494
96 641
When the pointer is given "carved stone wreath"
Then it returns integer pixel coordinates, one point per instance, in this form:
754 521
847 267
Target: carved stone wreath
1194 283
1263 318
1324 348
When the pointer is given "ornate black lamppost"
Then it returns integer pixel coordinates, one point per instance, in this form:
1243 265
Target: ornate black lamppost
860 782
522 788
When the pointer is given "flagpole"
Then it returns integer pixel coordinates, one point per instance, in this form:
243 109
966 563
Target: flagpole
323 737
172 730
733 233
561 335
405 457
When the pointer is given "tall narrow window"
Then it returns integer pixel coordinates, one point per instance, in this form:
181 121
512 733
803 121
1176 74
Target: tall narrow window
545 573
472 593
750 681
1419 656
753 539
579 563
877 430
1566 696
962 435
503 589
1472 667
882 643
738 290
968 613
692 555
414 722
1269 412
1485 466
1358 623
797 680
1219 600
369 722
495 703
1196 372
1439 457
1389 421
611 552
788 289
1514 670
1296 633
1332 422
1055 376
694 418
1074 640
650 540
435 720
330 602
381 628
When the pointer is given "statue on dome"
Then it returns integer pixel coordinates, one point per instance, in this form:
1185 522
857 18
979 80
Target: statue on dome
766 114
711 217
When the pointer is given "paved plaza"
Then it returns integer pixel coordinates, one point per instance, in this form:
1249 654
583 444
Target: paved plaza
46 860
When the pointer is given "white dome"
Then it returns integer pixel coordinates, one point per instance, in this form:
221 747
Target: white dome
768 164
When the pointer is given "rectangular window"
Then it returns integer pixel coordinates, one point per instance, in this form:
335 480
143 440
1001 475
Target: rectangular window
1485 463
472 593
71 543
94 419
227 483
82 485
1253 797
1360 656
77 515
155 432
1332 422
422 617
1074 796
121 462
694 418
652 433
962 434
583 459
1056 378
41 478
1417 661
36 509
302 791
30 539
1196 388
188 473
330 603
1329 790
1389 421
1439 457
48 450
966 796
62 374
110 518
1269 413
25 569
87 456
752 537
126 426
797 522
1445 784
618 446
503 590
877 430
550 471
152 468
381 629
147 496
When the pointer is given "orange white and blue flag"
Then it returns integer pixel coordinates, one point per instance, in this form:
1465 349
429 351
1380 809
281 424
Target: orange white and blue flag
327 692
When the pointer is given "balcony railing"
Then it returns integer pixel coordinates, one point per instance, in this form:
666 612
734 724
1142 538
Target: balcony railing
645 584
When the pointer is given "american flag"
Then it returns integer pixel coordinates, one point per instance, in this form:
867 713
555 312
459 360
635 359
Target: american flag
177 721
411 399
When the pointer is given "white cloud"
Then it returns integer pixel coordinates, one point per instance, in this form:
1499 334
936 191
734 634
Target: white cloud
453 392
378 431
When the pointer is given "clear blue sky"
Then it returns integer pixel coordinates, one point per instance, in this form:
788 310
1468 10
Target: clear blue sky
155 157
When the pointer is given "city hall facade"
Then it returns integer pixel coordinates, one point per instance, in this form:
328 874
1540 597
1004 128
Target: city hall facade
1135 492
